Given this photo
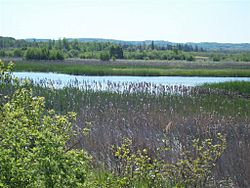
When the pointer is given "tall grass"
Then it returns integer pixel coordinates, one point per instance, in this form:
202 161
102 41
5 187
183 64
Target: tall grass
135 68
240 87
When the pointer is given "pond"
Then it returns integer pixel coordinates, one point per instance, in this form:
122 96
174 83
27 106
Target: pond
64 79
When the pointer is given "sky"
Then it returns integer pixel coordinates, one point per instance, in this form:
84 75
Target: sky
226 21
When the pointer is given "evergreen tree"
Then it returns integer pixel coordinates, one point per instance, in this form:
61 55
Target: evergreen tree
152 45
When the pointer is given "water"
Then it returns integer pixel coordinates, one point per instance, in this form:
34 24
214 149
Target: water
64 79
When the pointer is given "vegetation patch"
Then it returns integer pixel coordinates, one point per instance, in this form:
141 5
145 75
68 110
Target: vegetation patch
172 136
133 68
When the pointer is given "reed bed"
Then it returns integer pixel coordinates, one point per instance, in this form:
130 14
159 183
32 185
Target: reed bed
148 113
136 68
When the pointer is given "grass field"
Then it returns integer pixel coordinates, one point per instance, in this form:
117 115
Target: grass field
137 68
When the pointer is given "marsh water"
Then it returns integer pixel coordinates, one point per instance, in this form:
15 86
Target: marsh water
64 79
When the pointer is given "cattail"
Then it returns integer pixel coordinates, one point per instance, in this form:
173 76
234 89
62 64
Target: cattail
168 127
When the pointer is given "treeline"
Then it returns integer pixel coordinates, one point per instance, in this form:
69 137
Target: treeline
35 54
240 56
74 44
44 54
63 48
160 55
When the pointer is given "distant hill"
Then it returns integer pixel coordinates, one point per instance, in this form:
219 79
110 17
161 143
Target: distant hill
223 46
209 46
205 45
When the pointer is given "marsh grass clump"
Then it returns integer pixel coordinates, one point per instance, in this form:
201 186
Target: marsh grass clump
236 87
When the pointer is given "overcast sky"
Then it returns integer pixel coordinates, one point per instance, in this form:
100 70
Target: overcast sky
170 20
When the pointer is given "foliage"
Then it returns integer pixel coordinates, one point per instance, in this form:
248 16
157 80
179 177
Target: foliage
159 54
137 168
2 53
91 49
116 52
73 53
43 54
105 56
192 169
5 72
18 52
35 144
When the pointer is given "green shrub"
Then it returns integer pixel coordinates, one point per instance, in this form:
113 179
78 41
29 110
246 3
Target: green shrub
193 168
73 53
195 165
5 72
33 146
36 144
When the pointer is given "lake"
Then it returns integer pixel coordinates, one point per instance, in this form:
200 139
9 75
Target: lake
119 83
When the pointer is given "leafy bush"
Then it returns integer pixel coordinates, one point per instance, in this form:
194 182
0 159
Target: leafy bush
136 168
35 144
5 72
73 53
193 168
59 55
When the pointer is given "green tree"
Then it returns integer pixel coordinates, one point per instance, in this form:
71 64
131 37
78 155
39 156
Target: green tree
2 53
116 51
18 52
59 44
59 55
50 44
33 53
152 45
75 44
105 56
66 44
53 54
45 53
